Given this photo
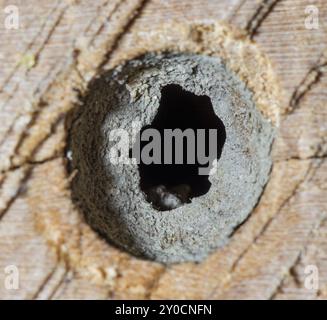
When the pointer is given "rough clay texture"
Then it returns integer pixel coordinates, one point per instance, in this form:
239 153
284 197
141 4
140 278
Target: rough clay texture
109 194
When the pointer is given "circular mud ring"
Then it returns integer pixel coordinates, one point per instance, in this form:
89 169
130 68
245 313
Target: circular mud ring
110 195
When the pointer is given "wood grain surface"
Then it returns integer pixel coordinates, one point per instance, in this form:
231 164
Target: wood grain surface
57 49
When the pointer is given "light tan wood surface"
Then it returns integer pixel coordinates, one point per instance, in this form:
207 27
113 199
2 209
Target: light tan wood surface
49 60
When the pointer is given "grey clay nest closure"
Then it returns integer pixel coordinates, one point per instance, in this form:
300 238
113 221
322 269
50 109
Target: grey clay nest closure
110 195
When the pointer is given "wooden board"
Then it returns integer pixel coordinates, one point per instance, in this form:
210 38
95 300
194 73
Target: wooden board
58 48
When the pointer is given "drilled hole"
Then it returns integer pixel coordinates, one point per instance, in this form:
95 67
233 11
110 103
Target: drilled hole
169 185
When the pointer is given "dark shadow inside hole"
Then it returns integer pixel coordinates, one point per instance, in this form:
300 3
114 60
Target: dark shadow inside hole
179 109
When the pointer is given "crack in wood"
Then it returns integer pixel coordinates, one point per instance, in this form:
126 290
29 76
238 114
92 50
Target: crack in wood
292 272
50 33
57 121
155 283
268 223
8 131
310 171
62 281
126 28
17 193
313 157
30 45
35 115
27 166
264 9
308 82
44 283
101 27
236 10
40 102
95 17
279 287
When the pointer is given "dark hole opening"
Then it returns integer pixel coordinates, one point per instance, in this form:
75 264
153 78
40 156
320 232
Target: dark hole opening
168 186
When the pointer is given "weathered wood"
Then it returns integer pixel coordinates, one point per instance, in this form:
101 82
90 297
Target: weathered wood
58 49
